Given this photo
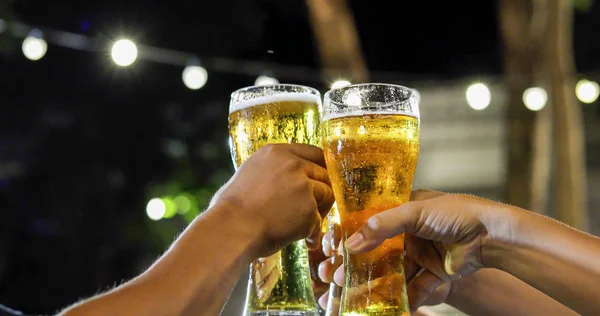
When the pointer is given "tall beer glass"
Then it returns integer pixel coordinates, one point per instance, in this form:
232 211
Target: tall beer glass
335 291
371 142
281 283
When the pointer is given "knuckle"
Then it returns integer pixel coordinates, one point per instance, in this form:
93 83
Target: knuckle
301 185
374 223
417 219
293 164
270 149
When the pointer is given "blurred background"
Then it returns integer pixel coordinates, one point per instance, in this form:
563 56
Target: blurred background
108 148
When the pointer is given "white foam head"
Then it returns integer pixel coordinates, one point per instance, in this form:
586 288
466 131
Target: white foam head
282 97
370 99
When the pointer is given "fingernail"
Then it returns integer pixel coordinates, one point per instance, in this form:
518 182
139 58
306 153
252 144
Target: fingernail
355 241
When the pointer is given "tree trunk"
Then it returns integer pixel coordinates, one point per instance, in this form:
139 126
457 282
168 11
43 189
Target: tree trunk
541 163
571 179
337 40
515 21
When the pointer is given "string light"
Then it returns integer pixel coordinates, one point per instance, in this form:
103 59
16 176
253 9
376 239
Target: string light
478 96
124 52
265 81
587 91
34 46
194 77
156 209
340 84
535 98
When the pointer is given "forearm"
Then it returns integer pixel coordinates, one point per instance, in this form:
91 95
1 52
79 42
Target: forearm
494 292
194 277
555 259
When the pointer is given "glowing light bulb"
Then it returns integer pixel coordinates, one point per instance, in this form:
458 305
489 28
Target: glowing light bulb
340 84
124 52
156 209
535 98
587 91
34 48
194 77
265 81
478 96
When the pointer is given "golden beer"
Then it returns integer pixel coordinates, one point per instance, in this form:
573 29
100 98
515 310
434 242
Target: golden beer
315 257
281 283
292 119
371 159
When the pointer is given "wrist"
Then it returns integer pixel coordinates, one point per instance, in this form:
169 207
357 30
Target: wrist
238 224
502 229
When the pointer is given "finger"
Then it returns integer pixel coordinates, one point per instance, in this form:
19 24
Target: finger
319 288
313 242
455 264
439 295
308 152
340 249
316 172
323 300
323 196
330 303
326 244
338 276
411 268
421 288
379 227
426 255
423 194
326 270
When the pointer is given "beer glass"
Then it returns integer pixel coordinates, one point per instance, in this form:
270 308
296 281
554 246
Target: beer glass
260 115
315 257
335 291
329 224
371 142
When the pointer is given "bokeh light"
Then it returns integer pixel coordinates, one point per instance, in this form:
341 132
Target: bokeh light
587 91
478 96
340 84
34 48
535 98
156 209
265 81
194 77
124 52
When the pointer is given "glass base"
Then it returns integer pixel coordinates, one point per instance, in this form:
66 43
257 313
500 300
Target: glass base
282 313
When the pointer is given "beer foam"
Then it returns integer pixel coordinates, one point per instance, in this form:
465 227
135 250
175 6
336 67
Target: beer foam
332 116
283 97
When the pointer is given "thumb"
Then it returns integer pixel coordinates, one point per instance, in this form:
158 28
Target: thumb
402 219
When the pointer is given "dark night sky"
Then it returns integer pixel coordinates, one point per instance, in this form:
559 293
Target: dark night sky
74 121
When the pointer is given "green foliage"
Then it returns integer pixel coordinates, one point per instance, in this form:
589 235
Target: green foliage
583 5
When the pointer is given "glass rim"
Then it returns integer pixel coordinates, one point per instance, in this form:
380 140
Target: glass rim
407 103
356 85
290 85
